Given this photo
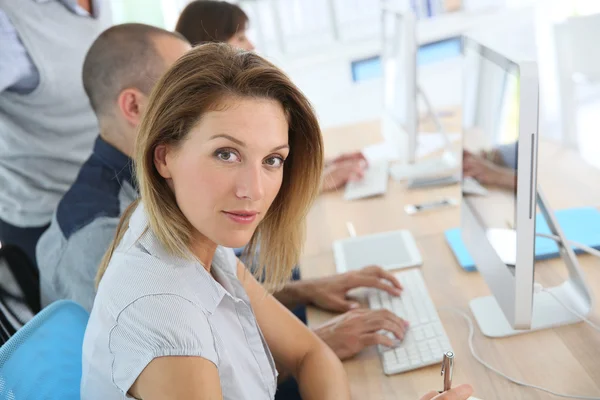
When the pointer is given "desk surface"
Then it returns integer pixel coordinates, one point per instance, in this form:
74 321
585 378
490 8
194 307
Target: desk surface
565 359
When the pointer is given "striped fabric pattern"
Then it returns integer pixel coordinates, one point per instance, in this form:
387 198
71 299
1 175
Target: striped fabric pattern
152 304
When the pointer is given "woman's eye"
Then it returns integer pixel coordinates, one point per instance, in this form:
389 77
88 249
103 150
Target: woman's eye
227 156
275 162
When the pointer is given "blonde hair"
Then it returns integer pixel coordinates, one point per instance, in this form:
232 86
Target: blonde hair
199 82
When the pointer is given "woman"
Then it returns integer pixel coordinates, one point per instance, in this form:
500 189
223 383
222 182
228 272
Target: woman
206 21
176 315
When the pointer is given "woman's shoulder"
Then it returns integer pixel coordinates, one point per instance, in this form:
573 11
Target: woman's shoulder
133 274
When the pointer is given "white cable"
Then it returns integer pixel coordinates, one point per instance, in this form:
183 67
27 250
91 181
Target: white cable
488 366
580 246
584 319
587 249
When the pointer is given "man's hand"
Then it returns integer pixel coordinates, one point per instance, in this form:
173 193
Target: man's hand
356 156
349 333
340 170
330 293
462 392
486 172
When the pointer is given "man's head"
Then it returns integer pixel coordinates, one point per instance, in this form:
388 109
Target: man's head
119 72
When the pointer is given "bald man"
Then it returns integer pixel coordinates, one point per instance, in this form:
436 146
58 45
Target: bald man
119 71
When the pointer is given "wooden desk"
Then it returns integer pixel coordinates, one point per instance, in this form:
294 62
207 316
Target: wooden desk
565 359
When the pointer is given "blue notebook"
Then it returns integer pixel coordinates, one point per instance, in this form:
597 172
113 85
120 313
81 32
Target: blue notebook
578 224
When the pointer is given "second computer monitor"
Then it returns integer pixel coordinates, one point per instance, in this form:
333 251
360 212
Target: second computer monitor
399 58
500 128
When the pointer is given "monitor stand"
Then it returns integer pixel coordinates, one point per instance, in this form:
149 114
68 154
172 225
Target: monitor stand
430 170
547 311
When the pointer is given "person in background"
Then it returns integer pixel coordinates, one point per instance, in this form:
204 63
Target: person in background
177 315
496 167
206 21
120 69
47 127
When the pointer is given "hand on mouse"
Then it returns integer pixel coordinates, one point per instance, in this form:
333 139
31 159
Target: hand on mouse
462 392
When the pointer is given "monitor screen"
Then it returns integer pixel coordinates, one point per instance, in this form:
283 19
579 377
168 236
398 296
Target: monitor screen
399 69
490 143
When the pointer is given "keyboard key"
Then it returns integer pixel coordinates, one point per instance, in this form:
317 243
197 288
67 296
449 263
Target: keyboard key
374 303
408 340
387 304
401 354
429 333
389 357
427 358
419 335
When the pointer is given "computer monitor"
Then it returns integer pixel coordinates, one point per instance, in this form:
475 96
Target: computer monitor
401 91
399 63
500 110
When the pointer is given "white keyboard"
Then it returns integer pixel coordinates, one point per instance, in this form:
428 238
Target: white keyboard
472 186
431 167
425 341
373 183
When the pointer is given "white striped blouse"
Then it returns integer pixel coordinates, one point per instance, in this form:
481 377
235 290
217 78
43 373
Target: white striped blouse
152 304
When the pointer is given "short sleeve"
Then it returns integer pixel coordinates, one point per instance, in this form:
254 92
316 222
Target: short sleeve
157 326
16 66
508 152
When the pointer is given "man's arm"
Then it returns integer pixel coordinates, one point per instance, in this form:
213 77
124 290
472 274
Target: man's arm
16 67
77 269
293 294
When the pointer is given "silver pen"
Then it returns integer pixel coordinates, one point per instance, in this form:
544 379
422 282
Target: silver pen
447 369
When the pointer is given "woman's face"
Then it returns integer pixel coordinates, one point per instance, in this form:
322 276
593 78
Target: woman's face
229 169
241 41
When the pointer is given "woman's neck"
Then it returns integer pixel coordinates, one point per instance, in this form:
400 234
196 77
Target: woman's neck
204 249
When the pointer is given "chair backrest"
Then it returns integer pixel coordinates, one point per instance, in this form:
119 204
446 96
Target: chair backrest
19 291
43 359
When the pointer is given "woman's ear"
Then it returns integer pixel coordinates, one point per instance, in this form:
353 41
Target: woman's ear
160 161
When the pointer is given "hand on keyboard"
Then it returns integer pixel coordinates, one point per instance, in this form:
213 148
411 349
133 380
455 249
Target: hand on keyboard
330 293
462 392
351 332
342 169
426 341
488 173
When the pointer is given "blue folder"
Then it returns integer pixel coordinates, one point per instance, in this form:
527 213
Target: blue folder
580 225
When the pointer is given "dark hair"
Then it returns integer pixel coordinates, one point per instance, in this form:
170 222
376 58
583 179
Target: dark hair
122 56
202 80
205 21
